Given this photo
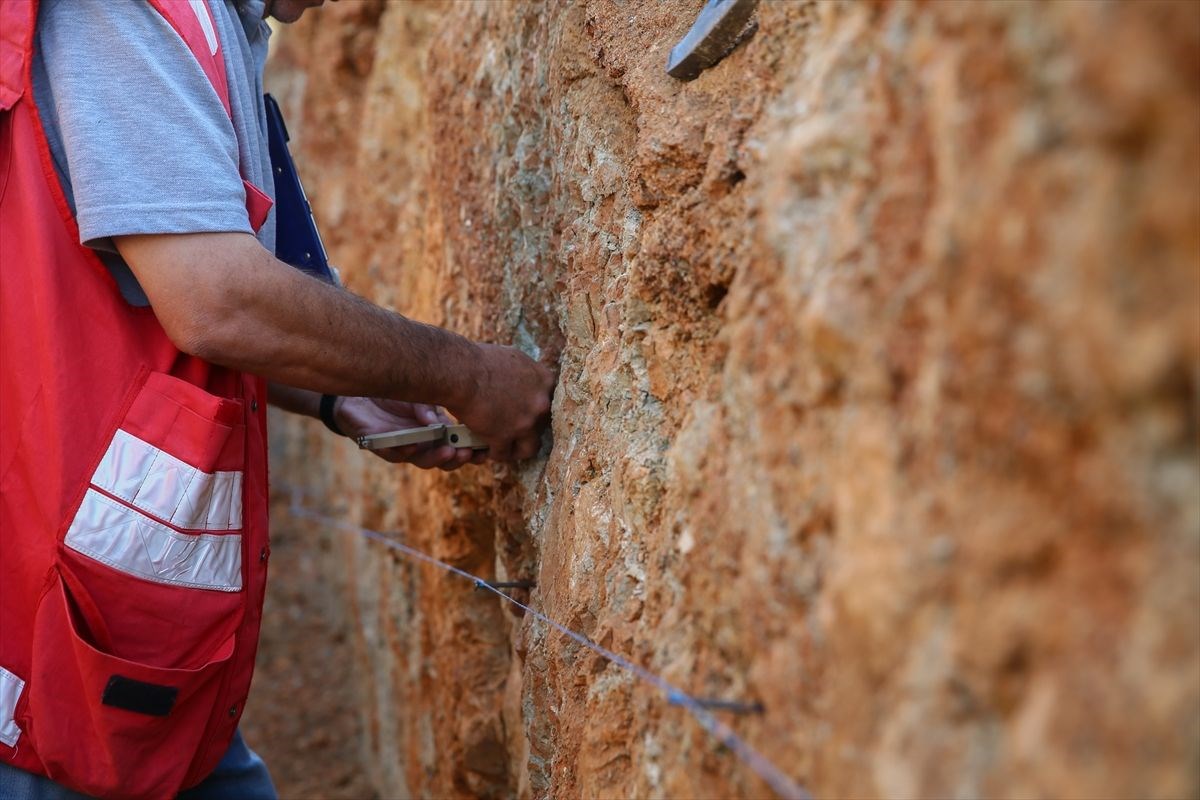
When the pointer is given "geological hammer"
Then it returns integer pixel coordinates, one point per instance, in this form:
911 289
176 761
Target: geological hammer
716 31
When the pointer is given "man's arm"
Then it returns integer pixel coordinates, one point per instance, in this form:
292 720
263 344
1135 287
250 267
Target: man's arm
224 298
297 401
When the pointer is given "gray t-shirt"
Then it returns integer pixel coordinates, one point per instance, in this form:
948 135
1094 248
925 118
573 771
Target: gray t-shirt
139 136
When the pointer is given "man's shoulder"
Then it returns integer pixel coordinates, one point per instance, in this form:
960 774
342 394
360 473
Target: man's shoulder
96 24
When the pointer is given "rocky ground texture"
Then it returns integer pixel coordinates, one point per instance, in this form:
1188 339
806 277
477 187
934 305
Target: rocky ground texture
879 351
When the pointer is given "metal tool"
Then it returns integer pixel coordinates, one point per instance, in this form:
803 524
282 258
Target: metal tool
482 584
453 435
720 27
677 698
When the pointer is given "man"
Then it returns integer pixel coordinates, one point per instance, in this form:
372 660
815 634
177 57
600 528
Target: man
142 311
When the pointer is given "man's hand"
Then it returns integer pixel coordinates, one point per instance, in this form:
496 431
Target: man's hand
359 416
510 404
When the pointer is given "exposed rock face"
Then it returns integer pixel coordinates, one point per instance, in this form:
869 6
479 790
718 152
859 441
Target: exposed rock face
880 355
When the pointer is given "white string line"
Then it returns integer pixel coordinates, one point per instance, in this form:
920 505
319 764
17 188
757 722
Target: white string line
781 783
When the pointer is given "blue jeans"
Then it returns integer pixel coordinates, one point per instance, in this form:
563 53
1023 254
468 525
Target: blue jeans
241 774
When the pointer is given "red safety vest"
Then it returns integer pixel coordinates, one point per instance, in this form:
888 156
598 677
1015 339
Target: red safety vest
133 478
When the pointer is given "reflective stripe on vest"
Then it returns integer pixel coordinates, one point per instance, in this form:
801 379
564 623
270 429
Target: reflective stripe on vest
10 693
161 485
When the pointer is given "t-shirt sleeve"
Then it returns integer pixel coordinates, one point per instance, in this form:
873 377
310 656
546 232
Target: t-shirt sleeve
147 144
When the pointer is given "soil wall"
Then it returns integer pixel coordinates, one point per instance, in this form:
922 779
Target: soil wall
880 354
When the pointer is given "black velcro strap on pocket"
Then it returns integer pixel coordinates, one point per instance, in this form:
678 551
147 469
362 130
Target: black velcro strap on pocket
138 696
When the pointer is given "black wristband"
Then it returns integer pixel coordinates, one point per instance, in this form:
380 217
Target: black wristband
327 403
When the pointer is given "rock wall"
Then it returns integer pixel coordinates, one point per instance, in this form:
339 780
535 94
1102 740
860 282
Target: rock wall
878 402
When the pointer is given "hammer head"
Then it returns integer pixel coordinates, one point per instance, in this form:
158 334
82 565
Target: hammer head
716 31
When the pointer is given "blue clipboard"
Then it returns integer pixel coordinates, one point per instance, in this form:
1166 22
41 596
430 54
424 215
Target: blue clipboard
297 241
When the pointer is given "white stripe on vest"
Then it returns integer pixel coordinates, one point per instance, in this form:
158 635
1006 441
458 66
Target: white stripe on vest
10 692
119 536
162 485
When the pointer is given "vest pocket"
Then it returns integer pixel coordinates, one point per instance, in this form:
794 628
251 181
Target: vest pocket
110 726
133 641
153 554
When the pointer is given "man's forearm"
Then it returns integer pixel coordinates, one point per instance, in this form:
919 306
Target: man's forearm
248 311
296 401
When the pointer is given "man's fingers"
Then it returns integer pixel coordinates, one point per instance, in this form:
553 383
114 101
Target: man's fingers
424 456
399 455
396 408
426 414
527 447
516 450
461 456
501 451
434 457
